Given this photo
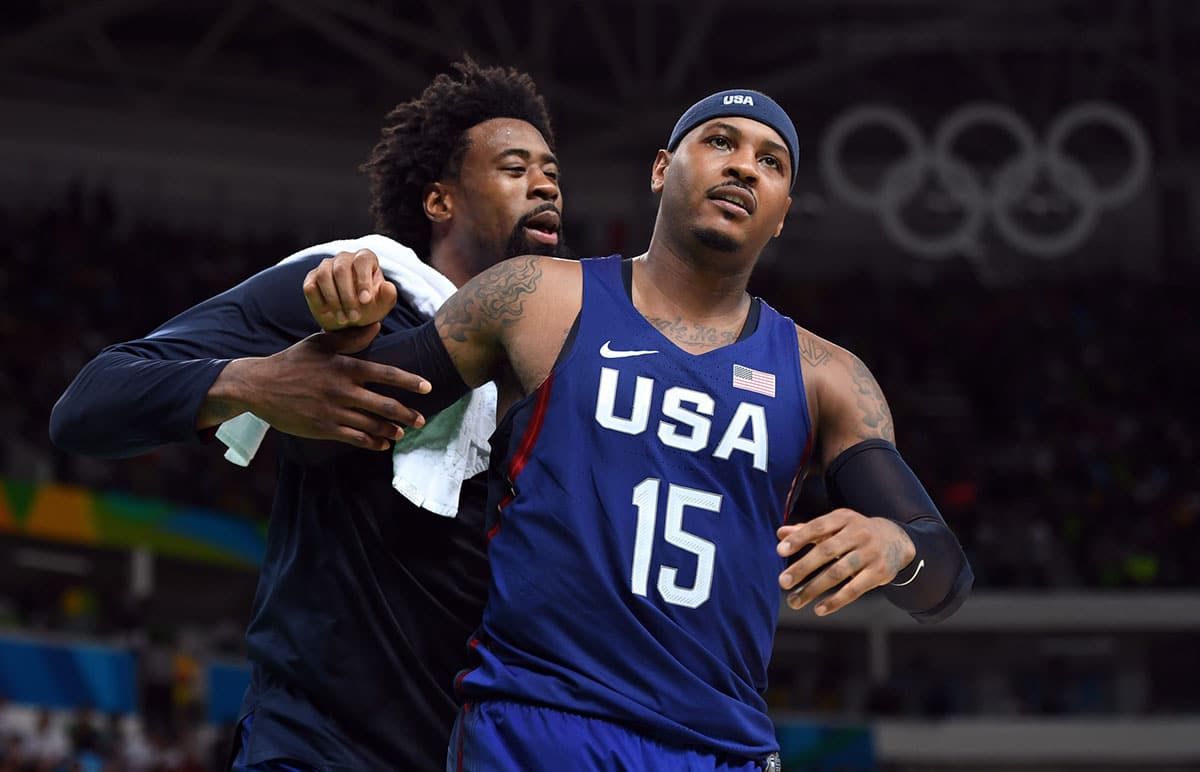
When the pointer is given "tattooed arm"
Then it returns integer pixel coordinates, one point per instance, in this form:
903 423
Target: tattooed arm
476 325
851 405
509 322
845 402
506 325
473 322
885 529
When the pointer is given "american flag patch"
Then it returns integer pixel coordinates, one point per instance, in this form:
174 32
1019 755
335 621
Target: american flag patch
753 380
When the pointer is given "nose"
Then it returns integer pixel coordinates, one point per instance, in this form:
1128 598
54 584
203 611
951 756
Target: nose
542 185
742 165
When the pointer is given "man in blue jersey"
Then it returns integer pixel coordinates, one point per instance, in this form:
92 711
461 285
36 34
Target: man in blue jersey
660 421
363 600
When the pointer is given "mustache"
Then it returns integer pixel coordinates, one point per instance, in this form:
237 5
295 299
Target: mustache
546 207
518 245
734 184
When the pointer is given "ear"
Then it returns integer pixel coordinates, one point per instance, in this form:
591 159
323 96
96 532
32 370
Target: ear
438 201
658 172
779 229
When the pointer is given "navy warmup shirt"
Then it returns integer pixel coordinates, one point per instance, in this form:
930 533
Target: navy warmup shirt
364 601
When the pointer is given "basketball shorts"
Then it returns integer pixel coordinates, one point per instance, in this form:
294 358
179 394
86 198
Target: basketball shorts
497 736
242 742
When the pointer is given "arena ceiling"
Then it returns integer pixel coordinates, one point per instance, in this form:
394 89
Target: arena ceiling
618 72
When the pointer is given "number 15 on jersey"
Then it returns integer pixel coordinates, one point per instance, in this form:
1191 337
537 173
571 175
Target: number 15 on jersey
679 498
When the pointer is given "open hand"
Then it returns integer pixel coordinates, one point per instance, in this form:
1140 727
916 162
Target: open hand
313 389
864 552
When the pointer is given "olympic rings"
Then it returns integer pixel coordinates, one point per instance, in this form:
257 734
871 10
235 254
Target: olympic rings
1012 184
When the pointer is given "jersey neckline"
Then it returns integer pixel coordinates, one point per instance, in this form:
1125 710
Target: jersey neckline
750 333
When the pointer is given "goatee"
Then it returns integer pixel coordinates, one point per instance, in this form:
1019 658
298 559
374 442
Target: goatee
715 240
520 244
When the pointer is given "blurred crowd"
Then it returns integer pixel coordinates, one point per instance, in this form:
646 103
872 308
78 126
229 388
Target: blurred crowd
82 740
170 730
80 278
1051 421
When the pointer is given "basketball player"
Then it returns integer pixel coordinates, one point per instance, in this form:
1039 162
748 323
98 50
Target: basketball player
363 600
661 418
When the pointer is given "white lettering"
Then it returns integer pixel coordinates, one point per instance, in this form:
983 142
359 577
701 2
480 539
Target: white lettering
739 99
697 438
755 444
607 397
686 419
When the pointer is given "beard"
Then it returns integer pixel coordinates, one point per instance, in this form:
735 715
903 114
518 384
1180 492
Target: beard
519 242
715 240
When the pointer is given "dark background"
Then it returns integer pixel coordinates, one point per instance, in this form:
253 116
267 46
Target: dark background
153 154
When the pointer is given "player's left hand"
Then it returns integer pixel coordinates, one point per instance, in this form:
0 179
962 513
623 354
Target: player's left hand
349 290
864 552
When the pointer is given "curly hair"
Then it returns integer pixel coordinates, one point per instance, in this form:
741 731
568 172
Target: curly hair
424 140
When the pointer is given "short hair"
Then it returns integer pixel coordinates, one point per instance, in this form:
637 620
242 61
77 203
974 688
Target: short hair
424 140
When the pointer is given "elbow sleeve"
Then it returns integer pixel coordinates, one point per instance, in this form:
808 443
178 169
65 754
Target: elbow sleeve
421 351
418 350
873 479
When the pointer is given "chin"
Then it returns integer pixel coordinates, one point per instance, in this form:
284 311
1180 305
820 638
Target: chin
716 240
518 245
545 250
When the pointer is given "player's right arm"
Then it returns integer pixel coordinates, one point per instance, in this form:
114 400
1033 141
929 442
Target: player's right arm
506 325
237 351
511 320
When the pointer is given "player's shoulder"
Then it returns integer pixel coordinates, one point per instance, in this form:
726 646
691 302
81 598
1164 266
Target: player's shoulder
559 269
818 353
524 290
530 276
833 373
534 265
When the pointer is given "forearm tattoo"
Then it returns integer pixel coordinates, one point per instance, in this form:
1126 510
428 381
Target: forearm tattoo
495 298
894 556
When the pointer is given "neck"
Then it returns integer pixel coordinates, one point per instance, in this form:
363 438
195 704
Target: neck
451 263
695 284
698 310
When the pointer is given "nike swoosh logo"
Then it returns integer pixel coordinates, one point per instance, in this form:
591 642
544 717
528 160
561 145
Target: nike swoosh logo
609 353
914 576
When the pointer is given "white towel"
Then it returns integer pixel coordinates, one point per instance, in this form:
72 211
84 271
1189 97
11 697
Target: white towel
428 464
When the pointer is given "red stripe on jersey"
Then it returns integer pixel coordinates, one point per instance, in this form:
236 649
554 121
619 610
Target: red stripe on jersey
791 497
504 502
458 679
525 448
462 730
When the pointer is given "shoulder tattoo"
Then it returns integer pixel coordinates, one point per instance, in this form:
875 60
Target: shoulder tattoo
812 350
495 297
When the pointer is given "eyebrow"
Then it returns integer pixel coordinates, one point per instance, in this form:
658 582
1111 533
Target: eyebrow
525 155
770 144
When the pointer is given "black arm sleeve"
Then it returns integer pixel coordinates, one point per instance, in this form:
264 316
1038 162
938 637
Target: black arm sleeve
873 479
419 351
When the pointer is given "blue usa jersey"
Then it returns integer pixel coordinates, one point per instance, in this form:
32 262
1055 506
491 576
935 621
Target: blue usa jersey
635 499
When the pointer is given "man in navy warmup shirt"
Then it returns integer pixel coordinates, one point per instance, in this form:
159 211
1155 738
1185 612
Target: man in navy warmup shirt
364 601
660 421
